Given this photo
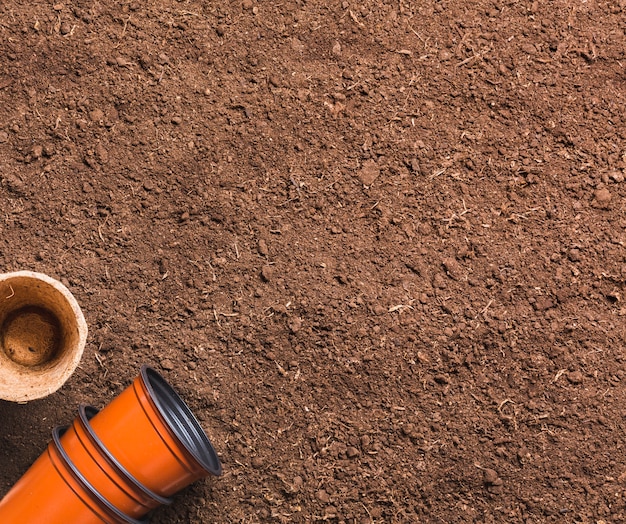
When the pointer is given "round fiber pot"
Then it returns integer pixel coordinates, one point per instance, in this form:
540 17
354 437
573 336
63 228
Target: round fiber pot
52 491
155 436
105 474
42 335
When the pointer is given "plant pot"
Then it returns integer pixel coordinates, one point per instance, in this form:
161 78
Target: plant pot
155 437
42 335
102 470
53 491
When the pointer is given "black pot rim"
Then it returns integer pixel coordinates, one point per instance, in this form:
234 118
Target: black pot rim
56 437
181 421
86 413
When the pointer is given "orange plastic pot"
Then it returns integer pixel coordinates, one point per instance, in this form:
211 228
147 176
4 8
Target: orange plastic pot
155 436
53 491
102 470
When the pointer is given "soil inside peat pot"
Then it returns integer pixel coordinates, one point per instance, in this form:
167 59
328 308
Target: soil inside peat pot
30 336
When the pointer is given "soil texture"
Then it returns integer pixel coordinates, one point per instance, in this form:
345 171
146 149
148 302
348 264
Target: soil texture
378 247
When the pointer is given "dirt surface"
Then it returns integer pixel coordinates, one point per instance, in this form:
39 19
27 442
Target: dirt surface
379 249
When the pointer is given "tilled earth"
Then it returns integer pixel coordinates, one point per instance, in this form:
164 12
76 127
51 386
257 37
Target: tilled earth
378 247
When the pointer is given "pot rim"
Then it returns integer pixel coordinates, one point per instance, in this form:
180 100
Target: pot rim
180 420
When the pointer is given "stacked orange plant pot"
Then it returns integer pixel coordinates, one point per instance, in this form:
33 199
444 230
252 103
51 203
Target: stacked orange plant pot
115 465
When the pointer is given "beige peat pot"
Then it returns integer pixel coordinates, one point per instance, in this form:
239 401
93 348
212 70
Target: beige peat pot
42 335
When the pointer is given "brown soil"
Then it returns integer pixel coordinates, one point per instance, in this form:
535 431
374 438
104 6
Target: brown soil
379 249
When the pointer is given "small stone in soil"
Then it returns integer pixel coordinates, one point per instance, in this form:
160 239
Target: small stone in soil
575 377
352 452
298 482
167 364
490 476
102 153
267 273
96 115
444 55
49 149
379 310
574 255
616 176
322 496
439 281
262 248
543 303
523 454
452 267
369 173
602 198
37 151
295 324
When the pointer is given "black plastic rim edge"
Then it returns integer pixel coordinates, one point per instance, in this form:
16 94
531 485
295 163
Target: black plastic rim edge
86 413
56 436
181 420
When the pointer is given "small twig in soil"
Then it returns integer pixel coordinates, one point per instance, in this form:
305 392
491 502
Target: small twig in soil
124 28
484 310
356 20
450 220
558 375
213 271
504 403
71 31
467 60
368 512
418 36
12 292
438 172
281 369
217 318
399 307
99 359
